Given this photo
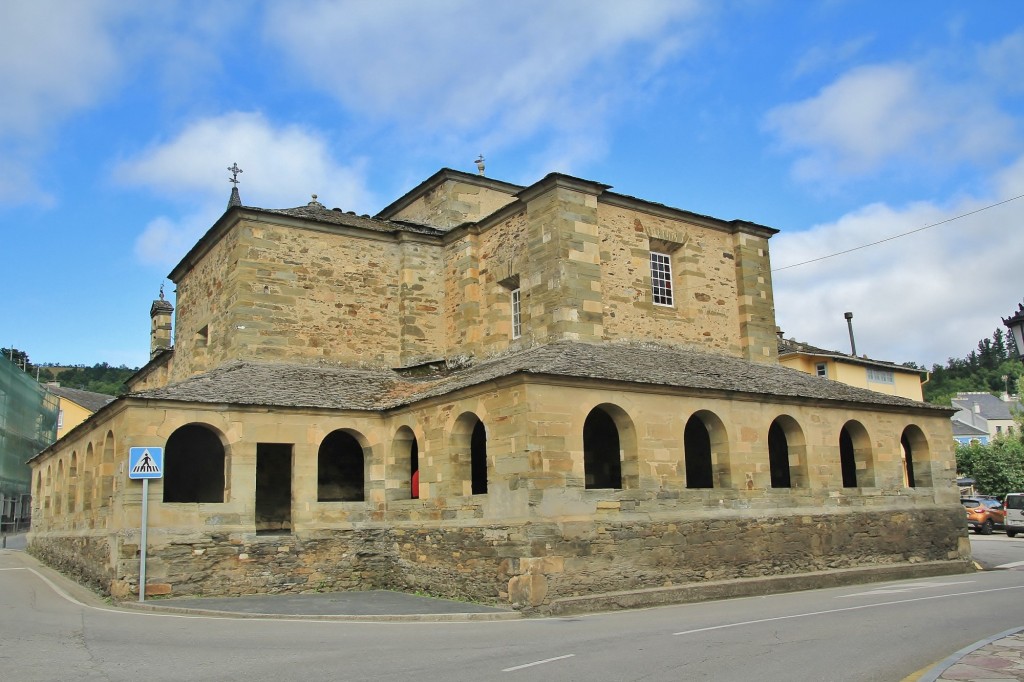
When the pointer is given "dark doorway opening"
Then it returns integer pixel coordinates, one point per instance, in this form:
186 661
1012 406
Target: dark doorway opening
778 456
273 488
414 468
602 463
194 466
908 454
847 459
697 452
340 475
478 459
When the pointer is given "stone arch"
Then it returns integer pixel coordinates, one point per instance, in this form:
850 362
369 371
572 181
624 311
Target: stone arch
105 475
787 453
917 456
88 465
48 489
856 460
195 460
37 499
468 444
706 452
71 499
58 490
341 467
405 455
609 449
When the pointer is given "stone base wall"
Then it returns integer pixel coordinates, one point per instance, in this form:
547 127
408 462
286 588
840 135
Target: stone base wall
84 558
526 566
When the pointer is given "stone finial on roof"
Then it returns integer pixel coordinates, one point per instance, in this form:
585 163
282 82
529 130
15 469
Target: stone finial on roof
480 164
236 199
315 204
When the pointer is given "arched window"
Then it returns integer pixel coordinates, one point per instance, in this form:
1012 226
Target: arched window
87 477
194 462
697 452
469 455
855 458
340 469
916 456
106 476
602 457
778 456
404 478
71 503
847 460
478 457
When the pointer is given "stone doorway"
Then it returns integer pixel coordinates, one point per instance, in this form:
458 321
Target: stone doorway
273 488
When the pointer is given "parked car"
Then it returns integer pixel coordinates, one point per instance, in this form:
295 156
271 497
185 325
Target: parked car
1013 507
984 514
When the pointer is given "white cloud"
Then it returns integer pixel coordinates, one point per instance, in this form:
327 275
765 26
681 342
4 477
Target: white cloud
873 117
490 71
924 298
282 167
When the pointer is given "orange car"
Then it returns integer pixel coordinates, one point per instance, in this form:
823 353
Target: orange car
983 514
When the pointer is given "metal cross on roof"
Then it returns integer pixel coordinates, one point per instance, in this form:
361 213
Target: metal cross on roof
235 170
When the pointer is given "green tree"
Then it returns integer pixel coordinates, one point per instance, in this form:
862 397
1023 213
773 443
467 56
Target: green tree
997 468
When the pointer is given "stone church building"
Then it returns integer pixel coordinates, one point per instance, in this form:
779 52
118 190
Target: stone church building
495 392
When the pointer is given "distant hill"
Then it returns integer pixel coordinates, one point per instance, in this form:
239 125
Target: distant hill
100 378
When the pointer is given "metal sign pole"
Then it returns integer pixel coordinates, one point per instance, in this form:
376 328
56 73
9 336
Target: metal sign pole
142 542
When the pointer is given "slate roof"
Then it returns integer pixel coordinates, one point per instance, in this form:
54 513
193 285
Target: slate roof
791 346
87 399
330 387
317 212
991 407
964 430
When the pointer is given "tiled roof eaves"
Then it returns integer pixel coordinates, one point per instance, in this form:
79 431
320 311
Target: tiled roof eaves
843 357
101 413
676 369
672 213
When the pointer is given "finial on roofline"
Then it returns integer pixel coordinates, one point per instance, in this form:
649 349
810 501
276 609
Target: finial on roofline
236 199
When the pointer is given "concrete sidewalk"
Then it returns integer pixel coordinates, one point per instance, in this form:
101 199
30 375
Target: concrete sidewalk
1000 657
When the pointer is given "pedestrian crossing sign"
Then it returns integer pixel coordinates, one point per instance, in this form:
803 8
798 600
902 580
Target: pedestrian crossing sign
145 462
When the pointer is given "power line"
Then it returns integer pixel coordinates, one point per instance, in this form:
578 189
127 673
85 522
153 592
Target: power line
897 236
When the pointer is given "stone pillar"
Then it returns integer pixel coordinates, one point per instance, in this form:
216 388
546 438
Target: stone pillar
561 290
160 325
758 339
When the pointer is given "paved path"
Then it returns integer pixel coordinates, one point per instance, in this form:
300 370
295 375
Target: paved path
997 658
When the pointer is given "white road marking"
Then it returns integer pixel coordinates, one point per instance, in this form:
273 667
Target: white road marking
903 588
530 665
848 608
1012 564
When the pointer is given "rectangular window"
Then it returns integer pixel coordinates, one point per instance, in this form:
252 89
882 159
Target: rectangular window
661 278
821 369
881 376
516 326
60 419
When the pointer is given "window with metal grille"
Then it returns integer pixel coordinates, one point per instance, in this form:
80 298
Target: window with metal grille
661 278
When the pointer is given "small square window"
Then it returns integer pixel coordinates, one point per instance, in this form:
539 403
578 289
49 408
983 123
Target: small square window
661 278
821 369
516 320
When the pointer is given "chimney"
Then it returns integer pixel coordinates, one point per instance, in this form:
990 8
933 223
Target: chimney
849 323
160 325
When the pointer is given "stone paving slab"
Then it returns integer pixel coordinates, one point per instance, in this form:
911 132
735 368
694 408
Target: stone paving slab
997 658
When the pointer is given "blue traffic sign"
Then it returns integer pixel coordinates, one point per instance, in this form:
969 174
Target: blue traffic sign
145 462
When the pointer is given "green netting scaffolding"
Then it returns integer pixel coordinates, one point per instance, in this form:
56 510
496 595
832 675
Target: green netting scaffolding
28 424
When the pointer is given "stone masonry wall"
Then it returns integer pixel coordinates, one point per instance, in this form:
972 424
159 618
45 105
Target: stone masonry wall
704 271
524 565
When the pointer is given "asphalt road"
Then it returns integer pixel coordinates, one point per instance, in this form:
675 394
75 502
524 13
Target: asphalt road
870 632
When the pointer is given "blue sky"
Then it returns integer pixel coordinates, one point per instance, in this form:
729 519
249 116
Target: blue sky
840 123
